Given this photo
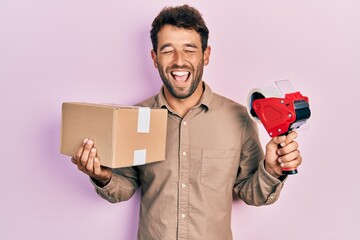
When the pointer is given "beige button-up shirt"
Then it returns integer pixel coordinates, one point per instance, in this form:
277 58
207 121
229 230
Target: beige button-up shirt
212 153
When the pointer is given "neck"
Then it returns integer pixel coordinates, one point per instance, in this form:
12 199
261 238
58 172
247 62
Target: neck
182 106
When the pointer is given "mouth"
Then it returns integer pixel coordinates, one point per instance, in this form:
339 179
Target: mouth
180 77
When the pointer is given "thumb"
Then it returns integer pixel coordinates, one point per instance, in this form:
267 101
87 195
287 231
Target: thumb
277 141
97 166
102 173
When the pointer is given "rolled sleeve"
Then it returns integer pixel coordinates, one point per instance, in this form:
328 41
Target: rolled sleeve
261 188
121 186
270 186
254 185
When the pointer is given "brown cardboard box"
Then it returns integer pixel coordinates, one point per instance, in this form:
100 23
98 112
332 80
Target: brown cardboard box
123 136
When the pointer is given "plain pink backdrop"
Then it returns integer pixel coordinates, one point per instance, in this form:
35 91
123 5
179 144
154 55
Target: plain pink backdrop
99 51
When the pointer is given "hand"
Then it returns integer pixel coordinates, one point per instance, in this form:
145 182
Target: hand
87 162
282 152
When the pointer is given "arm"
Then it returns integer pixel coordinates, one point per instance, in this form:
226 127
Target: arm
110 185
259 181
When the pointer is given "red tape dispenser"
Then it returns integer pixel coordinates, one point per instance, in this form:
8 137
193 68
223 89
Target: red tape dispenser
280 110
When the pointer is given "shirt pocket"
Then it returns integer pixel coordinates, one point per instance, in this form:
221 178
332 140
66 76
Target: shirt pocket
218 167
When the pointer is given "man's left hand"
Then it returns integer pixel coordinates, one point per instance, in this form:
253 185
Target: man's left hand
282 152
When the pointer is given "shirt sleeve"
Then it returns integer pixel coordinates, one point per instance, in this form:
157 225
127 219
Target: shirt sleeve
122 186
254 185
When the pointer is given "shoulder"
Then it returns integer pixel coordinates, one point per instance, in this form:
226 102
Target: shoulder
232 114
149 102
231 111
220 102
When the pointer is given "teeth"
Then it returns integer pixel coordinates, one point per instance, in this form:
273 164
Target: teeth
180 73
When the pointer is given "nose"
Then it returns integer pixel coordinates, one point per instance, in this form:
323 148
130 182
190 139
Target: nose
179 58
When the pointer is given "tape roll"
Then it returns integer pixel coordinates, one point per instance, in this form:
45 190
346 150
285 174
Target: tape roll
258 93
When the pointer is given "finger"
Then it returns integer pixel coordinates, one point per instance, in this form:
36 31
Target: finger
278 140
90 161
97 166
288 148
291 137
289 157
293 163
274 143
85 155
80 151
283 140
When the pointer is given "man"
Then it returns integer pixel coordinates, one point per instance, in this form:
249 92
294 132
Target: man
213 150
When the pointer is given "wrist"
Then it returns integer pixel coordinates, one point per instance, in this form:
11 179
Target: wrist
101 182
273 172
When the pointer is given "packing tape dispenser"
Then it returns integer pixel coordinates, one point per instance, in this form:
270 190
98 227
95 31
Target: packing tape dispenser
280 109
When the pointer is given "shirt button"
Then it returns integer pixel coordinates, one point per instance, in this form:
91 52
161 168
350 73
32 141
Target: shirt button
272 196
184 123
183 216
183 185
184 154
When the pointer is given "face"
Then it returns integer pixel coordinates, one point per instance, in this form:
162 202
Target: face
180 60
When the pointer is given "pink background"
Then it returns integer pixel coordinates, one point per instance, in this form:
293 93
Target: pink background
99 51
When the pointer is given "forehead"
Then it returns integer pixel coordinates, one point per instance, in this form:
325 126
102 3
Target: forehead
170 34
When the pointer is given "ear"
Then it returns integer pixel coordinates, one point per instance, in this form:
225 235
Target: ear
207 55
154 58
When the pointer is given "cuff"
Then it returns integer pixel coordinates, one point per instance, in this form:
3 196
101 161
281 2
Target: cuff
267 177
97 186
274 185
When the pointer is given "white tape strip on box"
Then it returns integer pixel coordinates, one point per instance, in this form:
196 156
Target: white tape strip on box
139 157
142 127
143 120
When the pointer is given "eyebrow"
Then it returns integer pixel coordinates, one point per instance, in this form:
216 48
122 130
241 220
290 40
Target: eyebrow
170 45
165 46
191 45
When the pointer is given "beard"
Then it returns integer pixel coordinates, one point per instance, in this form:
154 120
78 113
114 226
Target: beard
194 77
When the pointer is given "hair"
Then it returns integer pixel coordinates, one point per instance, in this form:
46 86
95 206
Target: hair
182 17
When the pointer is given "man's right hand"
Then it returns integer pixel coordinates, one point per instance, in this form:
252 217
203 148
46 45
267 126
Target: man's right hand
87 162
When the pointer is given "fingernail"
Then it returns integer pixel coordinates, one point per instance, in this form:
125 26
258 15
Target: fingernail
90 142
85 140
279 160
282 144
282 165
93 150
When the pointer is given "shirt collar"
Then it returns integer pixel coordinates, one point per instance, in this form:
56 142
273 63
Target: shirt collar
207 96
205 99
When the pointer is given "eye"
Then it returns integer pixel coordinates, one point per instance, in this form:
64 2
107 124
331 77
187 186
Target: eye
189 50
167 50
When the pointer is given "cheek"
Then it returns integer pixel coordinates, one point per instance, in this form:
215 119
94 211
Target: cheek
161 68
162 63
196 60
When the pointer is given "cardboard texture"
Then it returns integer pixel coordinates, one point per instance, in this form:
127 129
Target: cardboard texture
123 136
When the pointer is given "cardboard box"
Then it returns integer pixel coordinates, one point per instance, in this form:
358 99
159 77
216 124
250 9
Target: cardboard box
123 136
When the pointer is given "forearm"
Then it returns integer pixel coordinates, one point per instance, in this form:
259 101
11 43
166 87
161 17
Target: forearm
260 188
118 189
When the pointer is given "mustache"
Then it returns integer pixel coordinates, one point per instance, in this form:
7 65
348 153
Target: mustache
178 67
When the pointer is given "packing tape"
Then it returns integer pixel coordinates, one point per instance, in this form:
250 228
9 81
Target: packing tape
266 92
143 120
139 157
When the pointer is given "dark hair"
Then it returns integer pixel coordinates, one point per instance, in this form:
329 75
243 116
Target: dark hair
182 17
